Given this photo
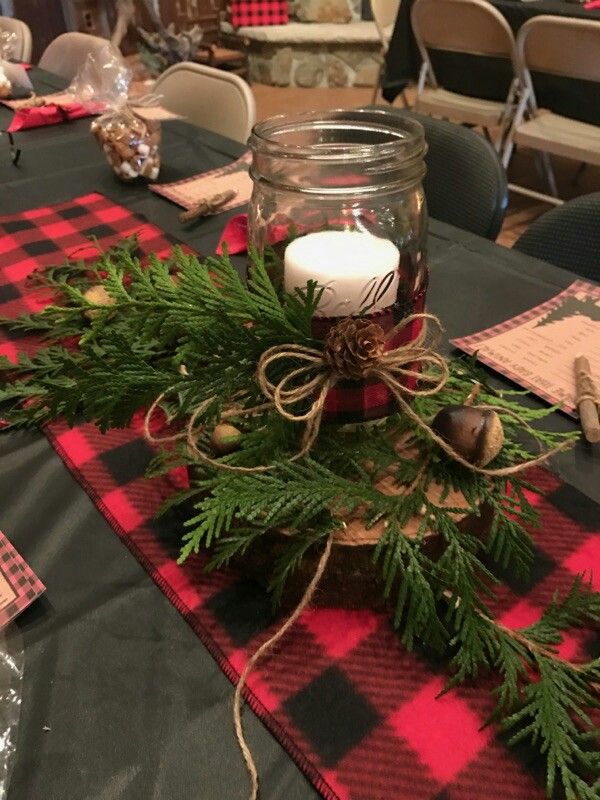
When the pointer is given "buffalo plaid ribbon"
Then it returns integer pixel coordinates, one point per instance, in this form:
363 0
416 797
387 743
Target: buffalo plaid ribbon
356 711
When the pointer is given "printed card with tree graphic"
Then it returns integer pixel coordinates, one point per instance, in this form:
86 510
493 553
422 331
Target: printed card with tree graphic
537 349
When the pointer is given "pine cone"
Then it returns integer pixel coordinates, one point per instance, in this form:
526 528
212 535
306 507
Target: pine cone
354 345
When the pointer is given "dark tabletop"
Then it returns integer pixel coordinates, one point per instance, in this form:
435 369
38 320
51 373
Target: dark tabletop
121 699
490 77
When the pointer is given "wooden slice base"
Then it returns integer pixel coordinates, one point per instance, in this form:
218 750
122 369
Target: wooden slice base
351 579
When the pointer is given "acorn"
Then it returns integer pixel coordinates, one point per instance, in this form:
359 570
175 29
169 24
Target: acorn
99 297
475 433
225 438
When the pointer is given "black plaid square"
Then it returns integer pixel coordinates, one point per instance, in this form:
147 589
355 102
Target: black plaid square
16 225
332 715
72 212
576 505
40 247
243 609
128 461
541 567
98 232
9 292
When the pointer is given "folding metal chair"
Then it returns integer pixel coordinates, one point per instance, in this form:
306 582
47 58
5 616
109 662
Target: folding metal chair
560 46
472 27
384 16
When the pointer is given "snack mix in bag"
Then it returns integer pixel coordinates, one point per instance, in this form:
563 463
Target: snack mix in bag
5 84
131 144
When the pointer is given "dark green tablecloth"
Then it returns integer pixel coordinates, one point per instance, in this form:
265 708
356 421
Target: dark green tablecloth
490 77
121 700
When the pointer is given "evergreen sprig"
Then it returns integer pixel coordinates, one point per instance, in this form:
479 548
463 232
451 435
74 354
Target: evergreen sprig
194 332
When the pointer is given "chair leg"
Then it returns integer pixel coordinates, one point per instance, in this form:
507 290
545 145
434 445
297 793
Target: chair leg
549 173
379 83
580 170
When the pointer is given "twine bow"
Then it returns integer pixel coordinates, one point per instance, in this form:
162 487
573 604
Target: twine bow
316 377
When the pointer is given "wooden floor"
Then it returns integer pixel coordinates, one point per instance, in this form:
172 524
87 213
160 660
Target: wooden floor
521 210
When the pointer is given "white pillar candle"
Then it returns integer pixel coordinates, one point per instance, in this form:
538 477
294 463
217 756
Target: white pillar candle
356 270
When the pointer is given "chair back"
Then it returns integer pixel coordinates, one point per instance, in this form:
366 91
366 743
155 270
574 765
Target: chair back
23 43
465 183
561 46
219 101
567 236
68 52
384 16
462 26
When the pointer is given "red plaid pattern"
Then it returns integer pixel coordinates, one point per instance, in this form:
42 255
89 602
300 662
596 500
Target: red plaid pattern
358 713
360 401
19 585
251 13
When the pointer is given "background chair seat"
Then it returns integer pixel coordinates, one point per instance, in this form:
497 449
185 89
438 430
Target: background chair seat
459 107
68 53
465 184
219 101
561 136
567 236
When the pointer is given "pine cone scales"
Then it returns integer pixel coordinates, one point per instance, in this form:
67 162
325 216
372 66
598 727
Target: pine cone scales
353 346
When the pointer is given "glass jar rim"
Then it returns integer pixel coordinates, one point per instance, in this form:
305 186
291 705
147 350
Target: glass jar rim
406 136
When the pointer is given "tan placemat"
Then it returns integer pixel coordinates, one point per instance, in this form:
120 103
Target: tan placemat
58 98
190 191
537 349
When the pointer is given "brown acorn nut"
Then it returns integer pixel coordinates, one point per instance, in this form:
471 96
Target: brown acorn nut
225 438
99 297
475 433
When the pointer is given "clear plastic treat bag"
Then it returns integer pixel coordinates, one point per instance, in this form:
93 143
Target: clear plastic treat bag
11 677
14 81
8 45
131 144
7 42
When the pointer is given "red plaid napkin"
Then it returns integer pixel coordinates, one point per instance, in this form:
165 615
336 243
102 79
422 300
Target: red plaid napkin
358 713
50 114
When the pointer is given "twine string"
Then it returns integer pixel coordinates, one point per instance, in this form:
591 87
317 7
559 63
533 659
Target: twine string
315 377
262 651
311 381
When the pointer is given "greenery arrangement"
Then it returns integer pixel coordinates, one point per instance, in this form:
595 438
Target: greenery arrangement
193 332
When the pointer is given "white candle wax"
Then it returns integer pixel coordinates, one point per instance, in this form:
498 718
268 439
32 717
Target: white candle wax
356 270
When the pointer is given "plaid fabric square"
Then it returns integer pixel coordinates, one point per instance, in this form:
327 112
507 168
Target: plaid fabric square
252 13
19 585
363 400
358 713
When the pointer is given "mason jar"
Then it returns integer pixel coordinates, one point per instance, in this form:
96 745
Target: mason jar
354 171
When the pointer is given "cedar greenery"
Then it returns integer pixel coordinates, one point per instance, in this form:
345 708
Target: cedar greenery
178 311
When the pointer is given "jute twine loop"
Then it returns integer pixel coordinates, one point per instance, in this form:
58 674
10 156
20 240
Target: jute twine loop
315 377
262 651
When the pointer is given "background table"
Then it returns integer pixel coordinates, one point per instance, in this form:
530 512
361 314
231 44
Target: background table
490 77
135 706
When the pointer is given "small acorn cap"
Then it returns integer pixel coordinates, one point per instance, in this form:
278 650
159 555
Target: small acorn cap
225 438
474 433
99 297
490 440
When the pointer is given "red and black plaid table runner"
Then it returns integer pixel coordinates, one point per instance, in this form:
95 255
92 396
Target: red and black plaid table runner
356 711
